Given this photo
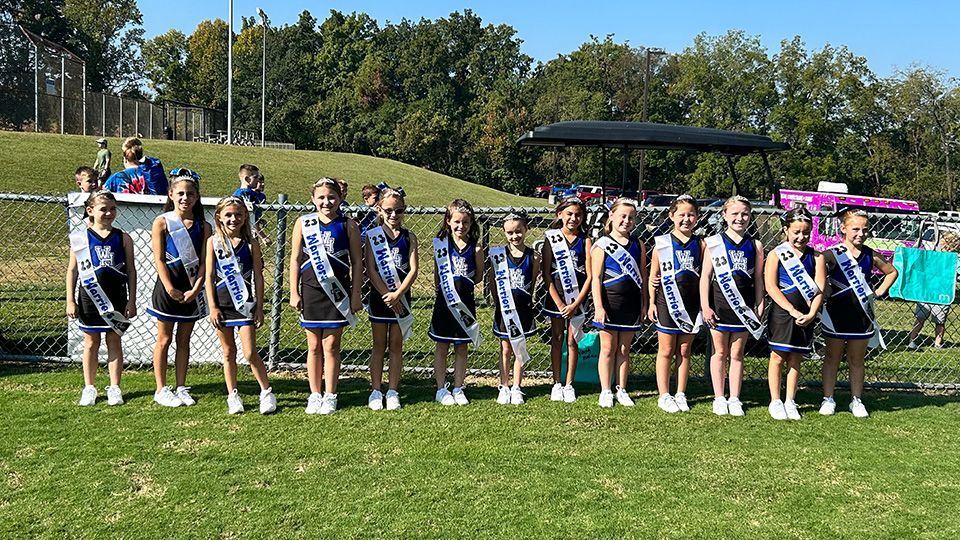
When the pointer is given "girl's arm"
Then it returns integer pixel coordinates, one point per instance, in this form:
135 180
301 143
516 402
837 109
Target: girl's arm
414 266
759 290
596 285
72 286
890 274
644 298
547 256
131 310
157 240
652 284
590 269
770 269
820 277
356 265
480 255
706 276
296 243
210 283
536 272
257 255
201 279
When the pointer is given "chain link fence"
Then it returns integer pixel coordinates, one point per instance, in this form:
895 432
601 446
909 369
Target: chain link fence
34 251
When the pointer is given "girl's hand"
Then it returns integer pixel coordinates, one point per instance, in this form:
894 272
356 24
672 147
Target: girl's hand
71 309
258 317
216 317
131 310
655 281
295 301
652 313
392 300
355 303
710 317
190 296
599 315
565 310
176 294
805 319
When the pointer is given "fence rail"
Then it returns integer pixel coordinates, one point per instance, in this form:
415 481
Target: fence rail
34 251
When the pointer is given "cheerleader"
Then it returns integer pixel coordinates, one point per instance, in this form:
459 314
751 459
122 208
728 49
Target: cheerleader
675 287
178 302
234 284
392 264
731 297
567 273
849 320
511 278
458 265
800 275
619 262
101 256
325 288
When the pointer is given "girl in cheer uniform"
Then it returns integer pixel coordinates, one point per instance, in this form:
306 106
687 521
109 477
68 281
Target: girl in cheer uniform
325 288
567 273
849 320
512 275
178 237
234 283
675 286
619 262
392 265
731 297
101 256
458 265
800 275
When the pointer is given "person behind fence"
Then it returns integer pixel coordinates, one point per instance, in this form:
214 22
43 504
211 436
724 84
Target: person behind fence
800 276
102 163
392 262
731 298
848 319
567 272
619 261
458 266
511 279
234 285
86 179
141 175
371 194
325 283
949 241
101 260
178 300
675 290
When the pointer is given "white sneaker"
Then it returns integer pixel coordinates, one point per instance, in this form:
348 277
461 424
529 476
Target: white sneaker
375 401
623 397
183 392
234 403
503 395
790 406
556 393
459 397
268 401
444 397
720 406
857 408
606 399
516 396
828 406
167 398
313 403
668 404
777 410
328 405
912 345
114 395
569 395
681 399
88 396
735 407
393 400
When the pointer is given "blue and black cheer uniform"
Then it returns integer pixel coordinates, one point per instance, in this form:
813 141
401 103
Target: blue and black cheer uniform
109 261
223 300
163 307
687 260
742 258
444 328
521 281
319 311
400 251
620 295
847 315
783 333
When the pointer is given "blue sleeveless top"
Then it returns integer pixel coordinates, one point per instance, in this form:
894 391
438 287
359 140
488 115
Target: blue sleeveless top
337 244
742 256
612 271
244 258
839 284
783 279
196 236
108 256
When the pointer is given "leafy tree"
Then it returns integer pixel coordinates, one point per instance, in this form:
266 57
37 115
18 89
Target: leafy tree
206 64
165 58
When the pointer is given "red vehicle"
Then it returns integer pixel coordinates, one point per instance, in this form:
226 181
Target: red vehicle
586 193
545 190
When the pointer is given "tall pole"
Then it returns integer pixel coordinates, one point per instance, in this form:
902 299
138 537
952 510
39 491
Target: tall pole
83 94
230 75
263 83
36 88
63 88
646 93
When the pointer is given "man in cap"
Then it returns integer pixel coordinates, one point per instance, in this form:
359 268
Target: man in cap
102 164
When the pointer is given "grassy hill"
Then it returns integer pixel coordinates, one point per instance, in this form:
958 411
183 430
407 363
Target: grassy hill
44 163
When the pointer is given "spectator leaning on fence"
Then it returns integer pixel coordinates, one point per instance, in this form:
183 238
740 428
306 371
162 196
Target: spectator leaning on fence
102 163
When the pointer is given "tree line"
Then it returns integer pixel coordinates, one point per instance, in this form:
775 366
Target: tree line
454 94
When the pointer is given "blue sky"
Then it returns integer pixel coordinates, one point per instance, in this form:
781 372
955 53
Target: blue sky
891 35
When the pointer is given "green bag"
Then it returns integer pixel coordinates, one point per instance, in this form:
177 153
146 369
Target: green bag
588 349
925 276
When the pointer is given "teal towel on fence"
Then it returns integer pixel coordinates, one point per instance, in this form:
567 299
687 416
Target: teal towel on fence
925 276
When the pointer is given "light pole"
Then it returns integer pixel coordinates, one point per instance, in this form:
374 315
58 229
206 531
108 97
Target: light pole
646 78
263 82
230 75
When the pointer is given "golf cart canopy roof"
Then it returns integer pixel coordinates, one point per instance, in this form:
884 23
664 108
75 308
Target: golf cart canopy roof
649 136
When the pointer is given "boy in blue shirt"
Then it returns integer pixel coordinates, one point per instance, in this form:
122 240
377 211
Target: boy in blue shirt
251 190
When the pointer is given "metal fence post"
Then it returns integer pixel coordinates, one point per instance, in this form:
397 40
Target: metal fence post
276 307
63 89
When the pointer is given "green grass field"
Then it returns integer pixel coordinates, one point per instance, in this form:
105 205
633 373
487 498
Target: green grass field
541 470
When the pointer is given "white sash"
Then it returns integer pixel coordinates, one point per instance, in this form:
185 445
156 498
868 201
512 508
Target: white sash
797 273
387 268
232 276
188 255
466 320
671 293
80 245
723 274
623 257
506 304
861 289
568 277
319 259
